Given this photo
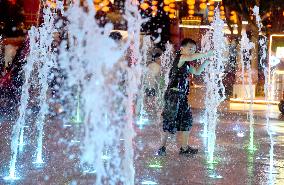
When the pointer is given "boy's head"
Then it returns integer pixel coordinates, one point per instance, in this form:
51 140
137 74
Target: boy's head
188 46
156 55
116 36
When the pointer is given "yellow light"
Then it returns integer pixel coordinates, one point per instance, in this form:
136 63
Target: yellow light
211 8
211 2
202 6
144 6
191 7
154 8
172 11
222 8
154 2
172 16
172 1
203 1
166 2
210 19
154 13
104 3
191 12
97 1
222 13
105 9
97 7
210 13
190 2
233 12
166 8
51 4
222 17
172 5
233 18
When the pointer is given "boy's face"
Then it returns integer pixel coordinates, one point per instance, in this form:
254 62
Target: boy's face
188 49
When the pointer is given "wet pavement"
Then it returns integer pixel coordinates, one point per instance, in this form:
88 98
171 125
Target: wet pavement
235 163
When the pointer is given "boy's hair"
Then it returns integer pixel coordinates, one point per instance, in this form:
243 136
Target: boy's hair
156 53
187 41
115 35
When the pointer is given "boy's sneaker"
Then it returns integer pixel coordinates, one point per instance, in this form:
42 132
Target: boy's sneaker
188 150
162 151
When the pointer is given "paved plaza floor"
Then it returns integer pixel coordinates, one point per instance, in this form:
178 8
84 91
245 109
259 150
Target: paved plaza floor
235 163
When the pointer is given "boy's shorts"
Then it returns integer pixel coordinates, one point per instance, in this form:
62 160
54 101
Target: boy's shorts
177 114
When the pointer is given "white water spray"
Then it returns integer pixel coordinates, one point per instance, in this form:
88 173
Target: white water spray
88 62
215 91
46 60
246 47
267 90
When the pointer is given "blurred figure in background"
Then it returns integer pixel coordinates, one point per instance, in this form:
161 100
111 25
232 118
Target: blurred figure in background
152 80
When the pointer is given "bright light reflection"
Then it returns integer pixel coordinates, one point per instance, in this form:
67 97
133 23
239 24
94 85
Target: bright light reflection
215 176
11 178
105 157
75 141
155 164
149 182
142 122
90 171
240 134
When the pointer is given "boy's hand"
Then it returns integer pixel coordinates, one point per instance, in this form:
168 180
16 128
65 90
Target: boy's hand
210 53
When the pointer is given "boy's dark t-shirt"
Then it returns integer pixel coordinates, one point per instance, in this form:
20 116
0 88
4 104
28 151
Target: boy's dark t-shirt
177 114
178 77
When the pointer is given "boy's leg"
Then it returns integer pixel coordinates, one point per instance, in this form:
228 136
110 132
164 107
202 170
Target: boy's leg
185 123
164 139
162 149
185 138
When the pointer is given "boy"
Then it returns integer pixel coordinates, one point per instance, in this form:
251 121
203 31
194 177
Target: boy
177 114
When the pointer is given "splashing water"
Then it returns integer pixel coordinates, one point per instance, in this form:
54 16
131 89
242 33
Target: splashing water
42 56
93 70
166 65
145 50
268 91
215 91
206 45
246 46
16 132
46 60
77 119
257 17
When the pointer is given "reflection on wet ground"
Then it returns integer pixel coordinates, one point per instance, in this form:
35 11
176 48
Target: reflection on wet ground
235 163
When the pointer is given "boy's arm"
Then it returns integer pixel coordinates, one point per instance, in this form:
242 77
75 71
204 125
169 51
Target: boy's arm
196 56
198 71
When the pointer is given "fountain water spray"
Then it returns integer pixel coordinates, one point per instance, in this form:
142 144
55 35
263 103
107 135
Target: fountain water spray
145 50
215 91
16 132
267 90
46 60
166 65
87 61
77 119
134 21
40 54
206 45
246 46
